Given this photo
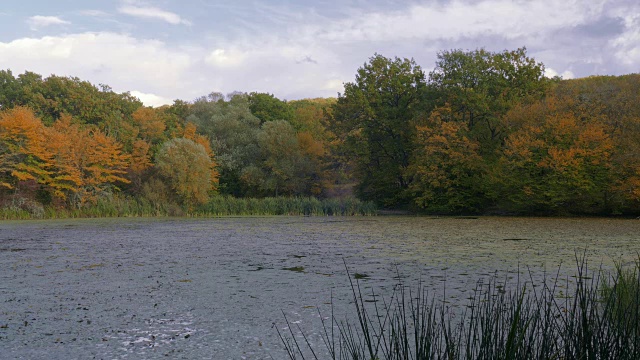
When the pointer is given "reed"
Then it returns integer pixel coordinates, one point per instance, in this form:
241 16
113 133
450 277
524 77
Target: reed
294 206
122 206
598 320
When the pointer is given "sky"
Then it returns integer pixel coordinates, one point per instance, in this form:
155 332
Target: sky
183 49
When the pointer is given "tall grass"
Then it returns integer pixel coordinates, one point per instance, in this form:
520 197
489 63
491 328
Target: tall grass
297 206
114 206
598 320
622 296
121 206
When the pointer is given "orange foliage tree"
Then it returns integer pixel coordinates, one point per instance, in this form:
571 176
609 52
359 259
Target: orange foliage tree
558 160
613 100
446 171
150 123
86 162
23 155
190 134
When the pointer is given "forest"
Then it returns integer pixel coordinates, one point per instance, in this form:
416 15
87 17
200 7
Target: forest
483 133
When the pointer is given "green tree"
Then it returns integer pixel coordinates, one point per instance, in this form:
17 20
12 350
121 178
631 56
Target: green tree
54 96
179 108
10 90
89 104
374 121
281 158
481 86
233 132
267 107
290 163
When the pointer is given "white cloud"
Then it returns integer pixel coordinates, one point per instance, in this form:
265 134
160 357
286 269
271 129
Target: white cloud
94 13
120 61
567 74
338 47
153 13
459 19
334 85
39 21
151 99
310 56
627 44
225 58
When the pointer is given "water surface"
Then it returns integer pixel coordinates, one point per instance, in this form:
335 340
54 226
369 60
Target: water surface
213 288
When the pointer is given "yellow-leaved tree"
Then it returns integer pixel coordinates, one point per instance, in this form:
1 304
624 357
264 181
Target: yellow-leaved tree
189 170
23 155
446 170
86 162
558 160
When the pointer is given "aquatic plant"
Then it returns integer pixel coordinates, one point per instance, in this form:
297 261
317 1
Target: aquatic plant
297 206
621 297
599 319
122 206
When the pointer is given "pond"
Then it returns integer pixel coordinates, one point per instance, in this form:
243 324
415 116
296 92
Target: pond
215 288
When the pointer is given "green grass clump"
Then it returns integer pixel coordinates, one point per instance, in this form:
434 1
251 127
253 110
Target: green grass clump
598 320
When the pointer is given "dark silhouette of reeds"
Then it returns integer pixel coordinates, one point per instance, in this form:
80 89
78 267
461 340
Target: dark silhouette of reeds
598 318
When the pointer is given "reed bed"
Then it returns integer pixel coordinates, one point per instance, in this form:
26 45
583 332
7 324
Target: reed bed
296 206
121 206
598 319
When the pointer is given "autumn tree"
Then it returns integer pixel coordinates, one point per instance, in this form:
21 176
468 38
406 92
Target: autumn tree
327 173
87 163
188 169
23 155
613 102
139 164
374 119
150 123
77 163
317 174
446 170
557 162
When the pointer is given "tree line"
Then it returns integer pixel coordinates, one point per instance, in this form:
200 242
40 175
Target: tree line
68 143
484 132
487 132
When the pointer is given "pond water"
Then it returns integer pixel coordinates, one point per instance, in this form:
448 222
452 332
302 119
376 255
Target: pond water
215 288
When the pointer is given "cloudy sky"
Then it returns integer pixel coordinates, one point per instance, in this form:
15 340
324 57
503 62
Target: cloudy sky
162 50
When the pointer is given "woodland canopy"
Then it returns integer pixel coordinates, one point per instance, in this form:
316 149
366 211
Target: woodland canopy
483 133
